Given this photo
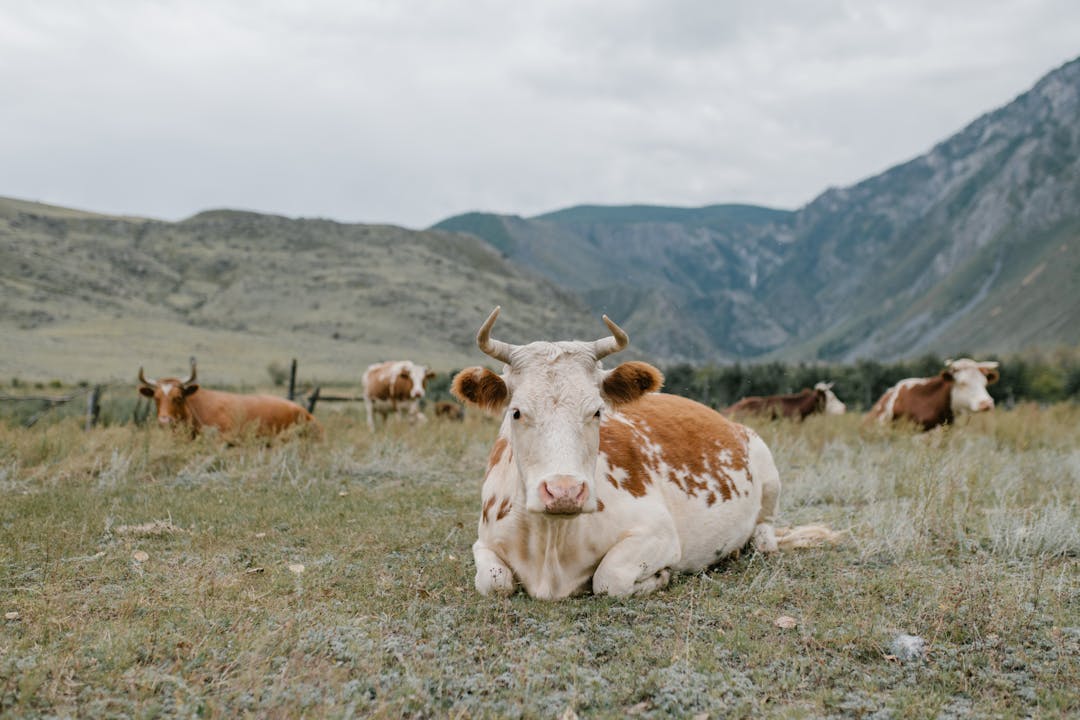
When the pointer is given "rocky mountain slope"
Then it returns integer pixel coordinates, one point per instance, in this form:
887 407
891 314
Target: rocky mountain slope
974 247
93 296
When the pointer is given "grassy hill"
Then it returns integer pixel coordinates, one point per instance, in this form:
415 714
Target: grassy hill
88 296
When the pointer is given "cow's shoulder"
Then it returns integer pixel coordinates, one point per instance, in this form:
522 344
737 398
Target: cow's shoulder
671 425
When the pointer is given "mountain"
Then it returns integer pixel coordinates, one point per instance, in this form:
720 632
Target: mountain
973 247
89 296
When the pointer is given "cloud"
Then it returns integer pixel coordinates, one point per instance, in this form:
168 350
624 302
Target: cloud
411 111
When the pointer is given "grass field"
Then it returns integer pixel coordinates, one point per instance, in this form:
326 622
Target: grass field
144 576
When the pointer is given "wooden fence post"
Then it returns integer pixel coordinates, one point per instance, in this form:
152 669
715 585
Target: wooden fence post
314 398
292 380
93 407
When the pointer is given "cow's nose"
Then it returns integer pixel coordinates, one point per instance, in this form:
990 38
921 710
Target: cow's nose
985 405
563 495
164 420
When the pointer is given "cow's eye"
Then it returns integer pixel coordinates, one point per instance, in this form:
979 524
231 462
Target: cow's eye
597 414
517 414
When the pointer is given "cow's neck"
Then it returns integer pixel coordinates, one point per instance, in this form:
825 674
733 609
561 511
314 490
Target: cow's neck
550 556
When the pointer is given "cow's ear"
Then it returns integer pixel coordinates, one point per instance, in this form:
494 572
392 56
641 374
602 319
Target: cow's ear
146 391
631 380
189 390
481 387
992 375
429 374
946 376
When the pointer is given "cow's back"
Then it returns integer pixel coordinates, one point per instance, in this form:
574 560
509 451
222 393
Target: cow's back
229 412
708 469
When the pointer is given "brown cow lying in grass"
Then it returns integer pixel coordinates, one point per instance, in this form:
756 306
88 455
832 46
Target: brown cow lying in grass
184 403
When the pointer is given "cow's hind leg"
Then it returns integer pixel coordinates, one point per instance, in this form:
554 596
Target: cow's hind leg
637 565
492 574
766 476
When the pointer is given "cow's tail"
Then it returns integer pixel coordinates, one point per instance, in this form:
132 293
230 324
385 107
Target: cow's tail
802 536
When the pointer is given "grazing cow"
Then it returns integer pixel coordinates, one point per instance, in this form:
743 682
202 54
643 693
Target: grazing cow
796 405
933 401
449 410
395 386
185 403
597 481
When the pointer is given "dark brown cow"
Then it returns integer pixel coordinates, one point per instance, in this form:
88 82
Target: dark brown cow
449 410
795 405
185 403
929 402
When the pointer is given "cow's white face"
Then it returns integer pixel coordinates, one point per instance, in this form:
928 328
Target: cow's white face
554 396
418 375
554 412
970 379
833 405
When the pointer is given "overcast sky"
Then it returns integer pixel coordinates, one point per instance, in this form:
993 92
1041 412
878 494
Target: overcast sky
409 111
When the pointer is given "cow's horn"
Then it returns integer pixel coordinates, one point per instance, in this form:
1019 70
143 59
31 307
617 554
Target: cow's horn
142 378
606 346
190 379
495 348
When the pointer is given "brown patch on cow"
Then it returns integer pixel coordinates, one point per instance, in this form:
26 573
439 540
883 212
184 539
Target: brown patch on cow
796 406
927 403
599 505
496 453
487 506
481 387
630 380
619 443
504 509
701 462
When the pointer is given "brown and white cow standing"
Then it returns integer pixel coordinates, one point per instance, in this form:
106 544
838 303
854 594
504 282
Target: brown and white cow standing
184 403
395 386
794 405
928 402
597 481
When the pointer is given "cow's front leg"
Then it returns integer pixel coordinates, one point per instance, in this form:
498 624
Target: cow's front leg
492 574
636 565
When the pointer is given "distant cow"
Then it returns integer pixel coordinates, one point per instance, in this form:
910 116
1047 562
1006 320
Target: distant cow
449 410
598 482
933 401
395 386
795 405
185 403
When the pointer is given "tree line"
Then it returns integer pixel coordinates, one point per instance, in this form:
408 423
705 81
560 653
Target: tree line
1042 379
1046 378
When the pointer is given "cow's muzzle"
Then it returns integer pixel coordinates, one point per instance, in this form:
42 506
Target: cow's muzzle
985 405
563 495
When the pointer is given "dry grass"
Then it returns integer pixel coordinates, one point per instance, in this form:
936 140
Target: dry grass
154 577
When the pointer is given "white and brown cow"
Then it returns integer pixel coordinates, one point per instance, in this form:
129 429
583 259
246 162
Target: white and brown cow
928 402
598 482
395 386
